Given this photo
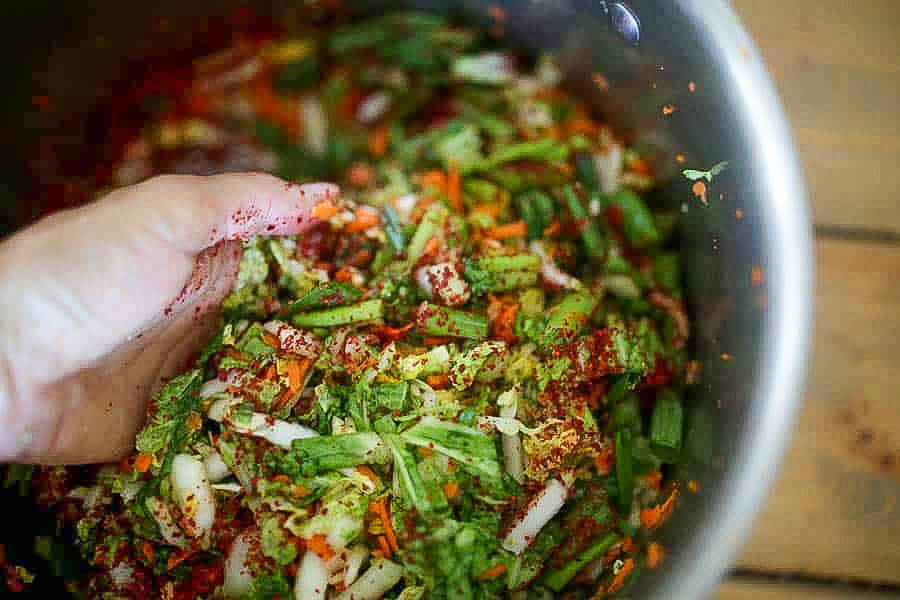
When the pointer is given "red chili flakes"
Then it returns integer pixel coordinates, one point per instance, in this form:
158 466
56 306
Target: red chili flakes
692 87
668 109
680 158
738 214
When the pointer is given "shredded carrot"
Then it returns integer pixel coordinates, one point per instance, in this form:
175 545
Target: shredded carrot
393 333
319 544
300 492
438 382
451 465
432 247
436 341
344 275
451 489
693 487
654 478
604 461
147 549
296 371
384 546
552 229
492 573
434 179
142 462
491 210
581 124
425 451
379 507
379 553
282 479
368 473
280 112
504 323
641 167
619 580
378 141
324 210
510 230
178 557
365 218
628 545
271 373
652 518
655 554
454 189
271 340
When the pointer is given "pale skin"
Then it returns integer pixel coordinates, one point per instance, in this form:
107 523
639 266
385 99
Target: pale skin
100 304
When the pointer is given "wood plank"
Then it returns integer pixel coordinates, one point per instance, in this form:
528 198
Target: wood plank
774 590
835 511
837 67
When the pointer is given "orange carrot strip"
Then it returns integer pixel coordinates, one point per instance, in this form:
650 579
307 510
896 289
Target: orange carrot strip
438 382
368 473
652 518
510 230
451 489
378 141
436 179
619 580
324 210
319 544
149 552
379 507
454 189
491 210
492 573
142 462
655 554
365 218
383 544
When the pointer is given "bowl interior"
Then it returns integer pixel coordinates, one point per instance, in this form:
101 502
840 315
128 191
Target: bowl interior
747 252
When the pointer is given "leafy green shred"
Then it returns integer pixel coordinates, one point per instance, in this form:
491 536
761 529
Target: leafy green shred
169 411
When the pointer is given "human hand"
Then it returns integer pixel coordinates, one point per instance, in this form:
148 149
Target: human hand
100 303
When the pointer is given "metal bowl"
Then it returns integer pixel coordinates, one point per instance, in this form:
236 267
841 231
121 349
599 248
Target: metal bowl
675 77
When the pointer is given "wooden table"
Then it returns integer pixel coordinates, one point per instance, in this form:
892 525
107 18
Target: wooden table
832 526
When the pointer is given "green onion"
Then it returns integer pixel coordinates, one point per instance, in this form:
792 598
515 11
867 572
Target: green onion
536 208
442 321
637 221
544 150
666 425
624 470
370 310
333 293
626 414
557 580
569 317
431 222
513 280
594 244
514 262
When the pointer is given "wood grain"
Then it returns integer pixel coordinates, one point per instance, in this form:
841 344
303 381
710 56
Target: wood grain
837 67
773 590
835 511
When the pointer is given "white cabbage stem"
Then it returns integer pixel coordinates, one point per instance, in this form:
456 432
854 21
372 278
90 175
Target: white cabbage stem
540 510
238 570
192 491
216 469
375 582
356 558
167 527
311 582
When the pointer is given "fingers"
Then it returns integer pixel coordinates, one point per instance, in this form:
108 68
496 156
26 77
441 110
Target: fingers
193 213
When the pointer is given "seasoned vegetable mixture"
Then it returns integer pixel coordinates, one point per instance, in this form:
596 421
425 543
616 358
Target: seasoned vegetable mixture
464 382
